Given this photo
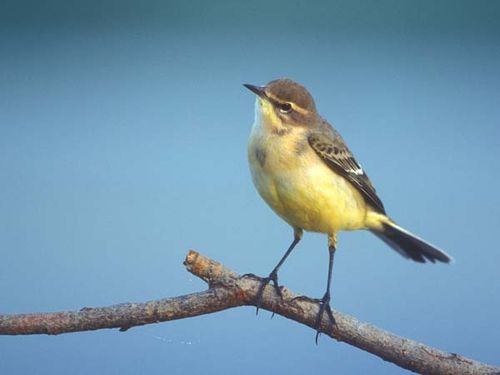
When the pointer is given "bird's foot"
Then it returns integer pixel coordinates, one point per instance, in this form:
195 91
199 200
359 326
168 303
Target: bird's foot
273 276
324 305
306 298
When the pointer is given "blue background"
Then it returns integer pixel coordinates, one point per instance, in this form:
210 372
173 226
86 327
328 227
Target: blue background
123 131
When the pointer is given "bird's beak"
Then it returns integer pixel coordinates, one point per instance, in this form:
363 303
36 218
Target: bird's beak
258 90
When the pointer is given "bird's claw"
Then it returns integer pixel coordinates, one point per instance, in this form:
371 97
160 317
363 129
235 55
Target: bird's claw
305 298
324 305
250 276
273 276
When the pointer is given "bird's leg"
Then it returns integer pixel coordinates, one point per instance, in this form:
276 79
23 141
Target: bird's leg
324 303
273 276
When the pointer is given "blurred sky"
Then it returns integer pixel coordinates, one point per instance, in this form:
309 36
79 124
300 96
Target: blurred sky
123 130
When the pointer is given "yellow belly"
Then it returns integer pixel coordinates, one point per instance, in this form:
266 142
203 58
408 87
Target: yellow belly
303 190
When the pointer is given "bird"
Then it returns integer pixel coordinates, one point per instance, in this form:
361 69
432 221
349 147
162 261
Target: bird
304 171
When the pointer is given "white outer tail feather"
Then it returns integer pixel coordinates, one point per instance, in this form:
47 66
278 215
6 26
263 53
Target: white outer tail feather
409 245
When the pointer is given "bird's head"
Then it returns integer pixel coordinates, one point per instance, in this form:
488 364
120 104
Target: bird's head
284 103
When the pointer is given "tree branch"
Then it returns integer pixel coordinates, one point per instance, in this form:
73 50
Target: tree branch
227 290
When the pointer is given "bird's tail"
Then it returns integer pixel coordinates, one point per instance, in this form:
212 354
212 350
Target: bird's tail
407 244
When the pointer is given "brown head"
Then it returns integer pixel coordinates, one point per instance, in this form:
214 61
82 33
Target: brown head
288 101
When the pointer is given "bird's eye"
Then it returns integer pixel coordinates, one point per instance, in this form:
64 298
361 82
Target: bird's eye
285 107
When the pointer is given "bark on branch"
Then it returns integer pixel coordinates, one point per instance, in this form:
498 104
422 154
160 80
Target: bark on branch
227 290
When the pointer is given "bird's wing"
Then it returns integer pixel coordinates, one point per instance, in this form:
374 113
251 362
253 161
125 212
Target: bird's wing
330 147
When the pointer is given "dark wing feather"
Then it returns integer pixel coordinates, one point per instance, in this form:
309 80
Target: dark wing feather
330 147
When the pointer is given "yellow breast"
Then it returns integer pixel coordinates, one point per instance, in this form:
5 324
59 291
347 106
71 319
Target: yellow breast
298 185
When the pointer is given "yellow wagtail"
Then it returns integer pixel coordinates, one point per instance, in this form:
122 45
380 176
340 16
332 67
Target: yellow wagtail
302 168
